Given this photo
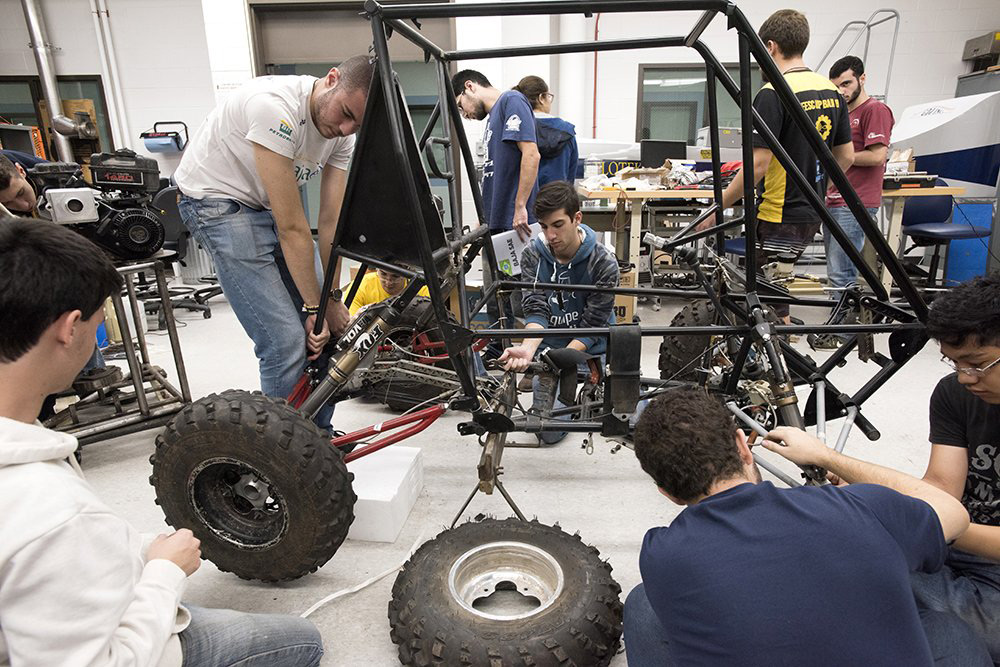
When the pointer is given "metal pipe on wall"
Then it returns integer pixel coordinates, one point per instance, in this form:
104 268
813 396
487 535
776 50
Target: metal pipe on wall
116 77
46 73
113 112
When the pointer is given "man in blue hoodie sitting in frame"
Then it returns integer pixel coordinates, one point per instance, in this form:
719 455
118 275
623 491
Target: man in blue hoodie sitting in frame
565 252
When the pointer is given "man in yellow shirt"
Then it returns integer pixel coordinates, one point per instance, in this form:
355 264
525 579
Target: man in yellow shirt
379 286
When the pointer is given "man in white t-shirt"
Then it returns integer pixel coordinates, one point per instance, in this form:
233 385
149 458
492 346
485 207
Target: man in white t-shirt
239 182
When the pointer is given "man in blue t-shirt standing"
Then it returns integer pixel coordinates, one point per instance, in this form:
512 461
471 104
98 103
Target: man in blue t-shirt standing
750 574
510 172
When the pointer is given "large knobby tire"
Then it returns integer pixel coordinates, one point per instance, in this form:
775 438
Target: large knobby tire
257 482
680 356
433 620
401 395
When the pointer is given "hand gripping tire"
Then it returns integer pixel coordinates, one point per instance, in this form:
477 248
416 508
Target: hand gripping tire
436 615
680 356
257 483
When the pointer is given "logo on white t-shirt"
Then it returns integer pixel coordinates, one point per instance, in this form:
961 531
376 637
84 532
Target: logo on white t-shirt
284 130
514 124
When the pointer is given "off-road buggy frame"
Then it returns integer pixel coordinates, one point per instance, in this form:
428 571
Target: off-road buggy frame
389 220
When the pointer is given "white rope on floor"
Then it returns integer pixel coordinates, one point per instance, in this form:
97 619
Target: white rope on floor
367 582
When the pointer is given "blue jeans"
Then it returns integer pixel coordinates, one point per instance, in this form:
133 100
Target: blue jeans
969 587
243 244
840 270
953 643
224 638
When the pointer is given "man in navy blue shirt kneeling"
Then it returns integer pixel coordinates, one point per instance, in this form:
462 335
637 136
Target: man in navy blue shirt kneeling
750 574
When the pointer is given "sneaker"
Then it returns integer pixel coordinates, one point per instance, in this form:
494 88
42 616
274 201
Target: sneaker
824 341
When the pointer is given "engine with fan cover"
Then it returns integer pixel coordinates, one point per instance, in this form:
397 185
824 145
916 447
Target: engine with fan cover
114 210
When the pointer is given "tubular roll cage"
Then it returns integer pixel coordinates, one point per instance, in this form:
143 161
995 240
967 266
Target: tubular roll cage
903 321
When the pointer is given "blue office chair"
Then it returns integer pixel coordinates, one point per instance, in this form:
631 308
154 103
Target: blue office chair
925 221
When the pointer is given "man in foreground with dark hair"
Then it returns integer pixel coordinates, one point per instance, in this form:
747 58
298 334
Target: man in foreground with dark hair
567 251
965 454
786 222
239 181
78 586
750 574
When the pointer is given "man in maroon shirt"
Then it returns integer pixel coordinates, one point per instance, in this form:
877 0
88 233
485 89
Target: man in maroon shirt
871 125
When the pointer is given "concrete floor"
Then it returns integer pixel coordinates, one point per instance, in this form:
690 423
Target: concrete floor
604 496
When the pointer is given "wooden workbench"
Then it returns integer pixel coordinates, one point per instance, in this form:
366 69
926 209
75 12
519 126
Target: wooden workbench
633 231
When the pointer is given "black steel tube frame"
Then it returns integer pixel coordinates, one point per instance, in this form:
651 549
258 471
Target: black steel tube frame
393 17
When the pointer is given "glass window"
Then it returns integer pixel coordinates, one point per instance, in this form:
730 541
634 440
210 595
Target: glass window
19 104
673 103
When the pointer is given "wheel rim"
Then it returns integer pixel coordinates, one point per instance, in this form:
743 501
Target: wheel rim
505 566
238 503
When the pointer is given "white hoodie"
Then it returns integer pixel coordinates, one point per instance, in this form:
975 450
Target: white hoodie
74 588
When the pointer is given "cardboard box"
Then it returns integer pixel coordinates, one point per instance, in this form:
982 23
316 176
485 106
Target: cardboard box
625 304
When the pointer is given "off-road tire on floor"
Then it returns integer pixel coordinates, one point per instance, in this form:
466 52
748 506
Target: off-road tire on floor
401 395
582 625
207 466
680 355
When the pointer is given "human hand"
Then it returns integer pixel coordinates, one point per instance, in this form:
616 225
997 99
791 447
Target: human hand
521 223
315 342
181 548
797 446
708 223
516 358
337 317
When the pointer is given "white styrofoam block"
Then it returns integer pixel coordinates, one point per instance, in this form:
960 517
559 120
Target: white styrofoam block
387 484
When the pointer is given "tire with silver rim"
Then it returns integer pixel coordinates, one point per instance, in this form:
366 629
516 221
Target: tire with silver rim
257 483
495 593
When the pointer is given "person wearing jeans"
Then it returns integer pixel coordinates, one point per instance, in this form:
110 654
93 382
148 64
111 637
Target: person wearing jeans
251 267
871 127
239 184
80 586
566 252
840 270
965 454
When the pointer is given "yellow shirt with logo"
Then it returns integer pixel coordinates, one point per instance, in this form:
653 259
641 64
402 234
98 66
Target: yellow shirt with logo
782 200
371 291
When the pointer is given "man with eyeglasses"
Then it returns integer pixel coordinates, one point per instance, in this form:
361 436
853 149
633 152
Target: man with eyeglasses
378 286
965 454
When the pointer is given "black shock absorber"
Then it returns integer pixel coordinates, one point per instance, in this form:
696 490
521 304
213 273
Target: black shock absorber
361 340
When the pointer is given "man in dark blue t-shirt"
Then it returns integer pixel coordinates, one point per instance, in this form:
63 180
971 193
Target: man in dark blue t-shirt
510 172
749 574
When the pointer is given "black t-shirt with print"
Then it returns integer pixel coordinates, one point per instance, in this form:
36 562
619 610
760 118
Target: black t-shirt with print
960 419
783 201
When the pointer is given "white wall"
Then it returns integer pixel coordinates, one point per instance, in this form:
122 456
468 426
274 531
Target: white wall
162 57
927 62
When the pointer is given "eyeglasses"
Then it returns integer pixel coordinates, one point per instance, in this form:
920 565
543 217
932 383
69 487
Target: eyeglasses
548 96
971 372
